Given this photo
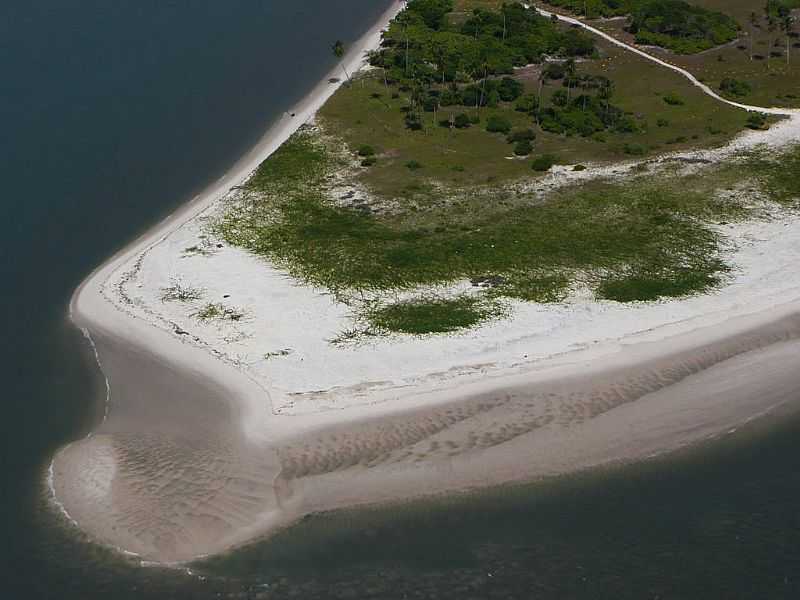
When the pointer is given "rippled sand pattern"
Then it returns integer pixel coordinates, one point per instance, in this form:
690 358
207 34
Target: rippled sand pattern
170 476
494 419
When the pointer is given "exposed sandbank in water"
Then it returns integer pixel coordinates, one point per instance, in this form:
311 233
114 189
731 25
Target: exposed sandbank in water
169 475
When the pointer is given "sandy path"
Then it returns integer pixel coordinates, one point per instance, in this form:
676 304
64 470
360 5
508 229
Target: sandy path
696 82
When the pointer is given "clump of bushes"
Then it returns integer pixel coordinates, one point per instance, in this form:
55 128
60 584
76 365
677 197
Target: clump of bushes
529 104
413 165
543 163
757 120
735 87
366 150
523 148
527 135
673 99
462 121
634 149
498 124
413 121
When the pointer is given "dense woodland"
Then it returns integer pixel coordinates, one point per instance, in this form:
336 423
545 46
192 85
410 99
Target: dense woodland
471 63
423 45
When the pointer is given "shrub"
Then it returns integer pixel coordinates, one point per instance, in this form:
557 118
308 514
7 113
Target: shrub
554 71
528 103
369 161
366 150
461 121
498 124
523 148
509 89
543 163
634 149
559 98
673 99
579 168
413 122
757 120
662 123
413 165
735 87
626 125
522 134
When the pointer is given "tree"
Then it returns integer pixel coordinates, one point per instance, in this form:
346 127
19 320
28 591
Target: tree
605 92
569 73
786 25
338 52
542 77
753 25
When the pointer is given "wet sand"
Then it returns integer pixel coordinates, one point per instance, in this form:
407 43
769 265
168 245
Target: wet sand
170 476
168 471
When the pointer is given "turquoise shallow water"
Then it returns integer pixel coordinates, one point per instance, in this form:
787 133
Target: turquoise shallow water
114 113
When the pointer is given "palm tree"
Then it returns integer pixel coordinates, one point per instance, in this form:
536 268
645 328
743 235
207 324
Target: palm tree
570 70
786 25
605 93
753 25
542 77
338 52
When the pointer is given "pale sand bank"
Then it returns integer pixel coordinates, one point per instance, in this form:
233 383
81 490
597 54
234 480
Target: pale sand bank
219 433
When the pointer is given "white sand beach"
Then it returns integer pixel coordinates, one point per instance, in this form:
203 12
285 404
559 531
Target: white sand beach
219 432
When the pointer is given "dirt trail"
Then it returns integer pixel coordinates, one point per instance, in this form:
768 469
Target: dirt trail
794 112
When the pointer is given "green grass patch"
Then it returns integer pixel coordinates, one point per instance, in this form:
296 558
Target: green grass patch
427 315
640 239
779 176
652 286
614 229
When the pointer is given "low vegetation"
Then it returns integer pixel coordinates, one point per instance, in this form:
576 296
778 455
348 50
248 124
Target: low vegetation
673 24
178 292
766 55
634 240
218 311
430 314
418 178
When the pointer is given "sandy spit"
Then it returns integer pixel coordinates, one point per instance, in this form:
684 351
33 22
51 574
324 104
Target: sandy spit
197 454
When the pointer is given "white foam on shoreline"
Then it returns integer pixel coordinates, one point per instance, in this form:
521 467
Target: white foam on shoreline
53 497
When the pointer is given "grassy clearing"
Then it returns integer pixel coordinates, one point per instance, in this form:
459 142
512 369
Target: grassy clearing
610 228
366 113
778 176
772 80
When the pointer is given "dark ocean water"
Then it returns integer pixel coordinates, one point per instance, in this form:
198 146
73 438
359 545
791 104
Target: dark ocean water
114 113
